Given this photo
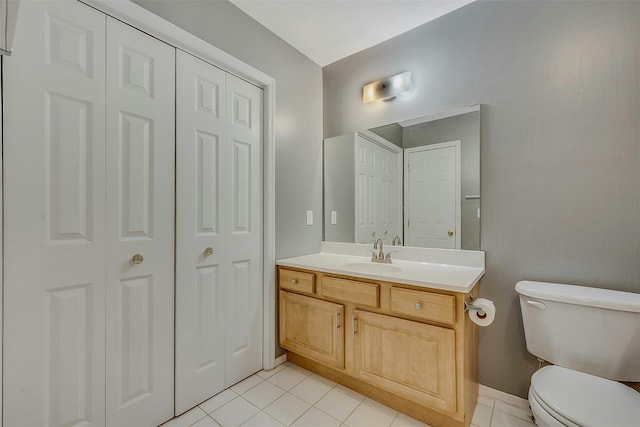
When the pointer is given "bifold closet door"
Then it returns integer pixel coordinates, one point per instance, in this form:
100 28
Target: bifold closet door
140 159
88 184
54 223
219 231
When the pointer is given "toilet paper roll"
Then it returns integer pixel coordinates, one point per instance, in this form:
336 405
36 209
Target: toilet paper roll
487 317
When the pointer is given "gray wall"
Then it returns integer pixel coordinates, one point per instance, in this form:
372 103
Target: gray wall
466 129
559 83
298 116
340 188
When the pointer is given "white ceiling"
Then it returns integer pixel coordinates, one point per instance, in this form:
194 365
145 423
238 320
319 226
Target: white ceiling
329 30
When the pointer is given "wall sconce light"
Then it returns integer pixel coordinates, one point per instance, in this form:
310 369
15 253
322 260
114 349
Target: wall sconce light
386 89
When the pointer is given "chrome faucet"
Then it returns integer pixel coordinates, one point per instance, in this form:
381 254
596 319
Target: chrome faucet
380 256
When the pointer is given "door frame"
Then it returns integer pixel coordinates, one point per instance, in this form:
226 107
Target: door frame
150 23
449 144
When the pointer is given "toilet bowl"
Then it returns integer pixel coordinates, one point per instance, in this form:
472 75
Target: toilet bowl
592 336
564 397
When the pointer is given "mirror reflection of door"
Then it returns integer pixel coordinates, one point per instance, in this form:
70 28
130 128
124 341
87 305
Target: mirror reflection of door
378 194
432 196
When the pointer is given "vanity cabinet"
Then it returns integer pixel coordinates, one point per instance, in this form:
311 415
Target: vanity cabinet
406 346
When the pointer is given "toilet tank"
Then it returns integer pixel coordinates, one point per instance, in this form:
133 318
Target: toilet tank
590 330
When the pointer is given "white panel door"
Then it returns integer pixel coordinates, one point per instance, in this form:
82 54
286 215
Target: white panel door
219 231
202 164
140 158
245 221
377 192
432 196
54 224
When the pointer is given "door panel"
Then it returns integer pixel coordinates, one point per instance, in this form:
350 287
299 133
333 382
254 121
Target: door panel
245 240
201 223
219 207
54 223
431 197
140 199
377 192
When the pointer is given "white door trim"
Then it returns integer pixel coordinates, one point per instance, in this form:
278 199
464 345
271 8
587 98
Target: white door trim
377 139
152 24
456 145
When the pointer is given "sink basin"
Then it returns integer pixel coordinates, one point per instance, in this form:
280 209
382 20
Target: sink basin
371 267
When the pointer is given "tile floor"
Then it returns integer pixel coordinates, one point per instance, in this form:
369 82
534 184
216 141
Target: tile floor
291 396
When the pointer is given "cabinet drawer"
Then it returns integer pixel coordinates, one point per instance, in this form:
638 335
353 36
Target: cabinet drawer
423 305
297 281
351 291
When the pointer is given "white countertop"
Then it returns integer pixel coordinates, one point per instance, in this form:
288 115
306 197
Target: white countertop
448 277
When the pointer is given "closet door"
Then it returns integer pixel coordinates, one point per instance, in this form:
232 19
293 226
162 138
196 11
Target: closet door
219 207
140 227
54 224
201 224
245 245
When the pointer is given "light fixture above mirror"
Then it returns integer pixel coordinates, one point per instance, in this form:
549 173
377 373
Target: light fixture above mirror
387 89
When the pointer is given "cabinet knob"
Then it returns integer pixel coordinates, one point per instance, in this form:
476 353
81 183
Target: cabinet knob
418 306
208 251
137 259
450 233
294 281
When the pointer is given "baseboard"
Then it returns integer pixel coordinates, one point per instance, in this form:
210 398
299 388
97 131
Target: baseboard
280 360
505 397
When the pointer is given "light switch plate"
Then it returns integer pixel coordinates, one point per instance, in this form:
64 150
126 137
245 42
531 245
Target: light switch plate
309 217
334 217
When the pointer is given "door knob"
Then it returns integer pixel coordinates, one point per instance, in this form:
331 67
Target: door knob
450 233
137 259
208 251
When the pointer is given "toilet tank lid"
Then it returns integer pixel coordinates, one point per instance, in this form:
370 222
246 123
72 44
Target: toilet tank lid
580 295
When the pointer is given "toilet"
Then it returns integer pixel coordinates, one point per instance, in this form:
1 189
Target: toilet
592 338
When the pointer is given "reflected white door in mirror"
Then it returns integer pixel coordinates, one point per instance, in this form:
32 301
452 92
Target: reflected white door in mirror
432 196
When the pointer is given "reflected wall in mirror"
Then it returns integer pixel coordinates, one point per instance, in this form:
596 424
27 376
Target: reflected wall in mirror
415 182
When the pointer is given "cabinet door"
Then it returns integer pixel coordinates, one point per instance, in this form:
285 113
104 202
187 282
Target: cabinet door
140 205
413 360
312 328
54 230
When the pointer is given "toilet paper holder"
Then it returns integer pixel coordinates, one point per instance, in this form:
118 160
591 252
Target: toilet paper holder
470 306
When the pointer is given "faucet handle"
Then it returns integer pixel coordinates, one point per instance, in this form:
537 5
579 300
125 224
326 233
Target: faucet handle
388 256
374 256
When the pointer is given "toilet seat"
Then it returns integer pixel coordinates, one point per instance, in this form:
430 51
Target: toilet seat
576 398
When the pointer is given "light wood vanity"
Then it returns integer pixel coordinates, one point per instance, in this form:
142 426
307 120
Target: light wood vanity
409 347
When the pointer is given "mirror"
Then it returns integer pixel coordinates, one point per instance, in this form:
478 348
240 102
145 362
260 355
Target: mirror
415 182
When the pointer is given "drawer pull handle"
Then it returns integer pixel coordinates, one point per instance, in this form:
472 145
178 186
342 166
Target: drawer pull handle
418 306
294 281
337 320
